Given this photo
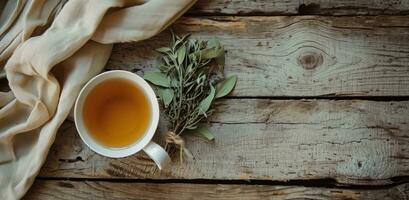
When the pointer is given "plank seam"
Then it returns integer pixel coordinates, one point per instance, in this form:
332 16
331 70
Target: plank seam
273 14
340 98
322 183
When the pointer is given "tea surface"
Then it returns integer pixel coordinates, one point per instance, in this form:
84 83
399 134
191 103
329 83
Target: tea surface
116 113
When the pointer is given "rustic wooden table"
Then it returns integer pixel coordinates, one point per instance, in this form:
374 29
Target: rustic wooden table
321 109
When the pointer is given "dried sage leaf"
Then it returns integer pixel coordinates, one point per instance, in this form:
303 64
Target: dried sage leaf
181 55
204 132
214 50
214 42
166 95
157 78
163 50
204 105
211 53
225 87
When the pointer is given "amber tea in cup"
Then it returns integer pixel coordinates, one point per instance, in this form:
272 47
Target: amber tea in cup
116 112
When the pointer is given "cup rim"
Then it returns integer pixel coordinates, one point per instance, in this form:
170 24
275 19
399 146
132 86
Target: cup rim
122 151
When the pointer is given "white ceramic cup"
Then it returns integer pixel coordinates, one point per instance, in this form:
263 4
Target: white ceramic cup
156 152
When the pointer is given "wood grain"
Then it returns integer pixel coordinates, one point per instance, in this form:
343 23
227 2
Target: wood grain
300 7
296 56
353 142
73 190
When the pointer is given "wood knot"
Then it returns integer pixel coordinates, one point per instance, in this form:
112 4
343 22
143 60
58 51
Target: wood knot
310 60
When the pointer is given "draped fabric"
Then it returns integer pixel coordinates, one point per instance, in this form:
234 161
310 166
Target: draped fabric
48 50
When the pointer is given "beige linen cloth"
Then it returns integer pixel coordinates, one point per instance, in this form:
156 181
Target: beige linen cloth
49 49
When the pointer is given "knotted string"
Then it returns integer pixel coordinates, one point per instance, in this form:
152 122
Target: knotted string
173 138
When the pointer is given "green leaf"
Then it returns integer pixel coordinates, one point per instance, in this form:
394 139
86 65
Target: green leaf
204 105
174 83
164 50
189 68
185 37
180 40
157 78
214 42
212 53
181 55
213 50
166 95
203 131
226 86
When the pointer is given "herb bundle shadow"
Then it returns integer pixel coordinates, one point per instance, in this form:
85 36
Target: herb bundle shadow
190 79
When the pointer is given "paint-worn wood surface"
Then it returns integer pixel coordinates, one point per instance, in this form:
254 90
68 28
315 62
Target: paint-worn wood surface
322 102
300 7
297 56
353 142
74 190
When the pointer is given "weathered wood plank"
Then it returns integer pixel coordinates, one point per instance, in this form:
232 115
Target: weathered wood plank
73 190
301 7
297 56
353 142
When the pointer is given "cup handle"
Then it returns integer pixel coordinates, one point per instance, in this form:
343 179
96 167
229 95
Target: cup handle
157 154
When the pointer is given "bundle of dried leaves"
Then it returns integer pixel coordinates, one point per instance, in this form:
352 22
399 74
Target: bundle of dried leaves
190 78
